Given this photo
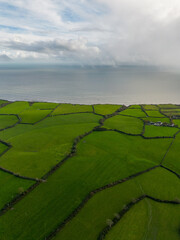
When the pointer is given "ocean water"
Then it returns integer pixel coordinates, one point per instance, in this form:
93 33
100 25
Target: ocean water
89 85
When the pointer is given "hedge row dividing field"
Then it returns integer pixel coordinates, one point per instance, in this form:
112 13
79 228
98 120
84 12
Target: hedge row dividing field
149 216
94 163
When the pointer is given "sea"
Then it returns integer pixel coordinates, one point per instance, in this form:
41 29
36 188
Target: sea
89 84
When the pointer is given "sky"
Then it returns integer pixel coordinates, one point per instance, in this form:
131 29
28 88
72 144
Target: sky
90 32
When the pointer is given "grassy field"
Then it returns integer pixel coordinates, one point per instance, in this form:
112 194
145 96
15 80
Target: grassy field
14 108
67 187
152 221
163 106
157 119
171 112
134 113
70 108
33 115
11 186
125 124
172 158
134 106
177 122
105 109
44 105
150 107
106 204
37 148
154 114
95 156
7 121
156 131
2 102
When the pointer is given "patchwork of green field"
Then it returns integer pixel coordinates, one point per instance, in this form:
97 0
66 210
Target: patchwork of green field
44 105
7 121
37 148
155 120
33 115
154 113
148 220
125 124
150 107
134 113
107 203
72 108
67 187
11 186
63 143
156 131
105 109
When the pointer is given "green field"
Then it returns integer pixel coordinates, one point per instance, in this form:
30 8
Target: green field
172 158
153 221
37 148
106 204
125 124
92 162
177 122
134 106
156 131
3 102
105 109
134 113
33 115
7 121
154 114
70 108
168 106
171 112
156 119
11 186
150 107
44 105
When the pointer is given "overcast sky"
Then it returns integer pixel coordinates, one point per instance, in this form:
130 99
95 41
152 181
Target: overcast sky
92 32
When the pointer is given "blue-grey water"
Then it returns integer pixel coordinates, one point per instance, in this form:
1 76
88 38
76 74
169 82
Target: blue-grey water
120 85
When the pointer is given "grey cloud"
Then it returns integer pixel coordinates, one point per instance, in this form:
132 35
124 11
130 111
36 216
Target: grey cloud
126 31
52 47
5 58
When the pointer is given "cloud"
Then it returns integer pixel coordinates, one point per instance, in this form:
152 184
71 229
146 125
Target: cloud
53 46
97 31
5 58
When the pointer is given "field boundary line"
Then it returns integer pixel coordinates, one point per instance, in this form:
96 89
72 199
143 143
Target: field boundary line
90 195
18 121
19 176
174 138
48 115
127 208
131 134
168 169
9 205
